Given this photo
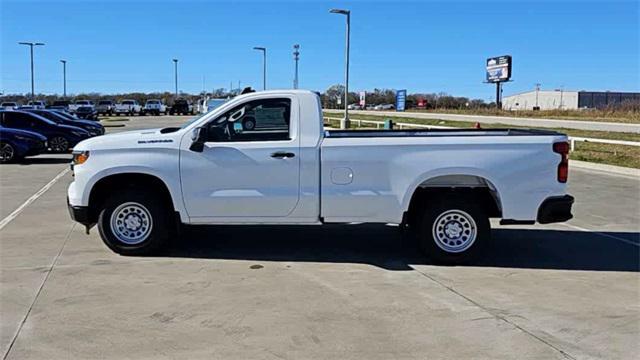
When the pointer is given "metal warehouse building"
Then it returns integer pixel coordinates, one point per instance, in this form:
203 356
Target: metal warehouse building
559 99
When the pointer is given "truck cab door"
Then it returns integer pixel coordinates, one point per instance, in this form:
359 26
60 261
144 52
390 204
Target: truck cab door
249 166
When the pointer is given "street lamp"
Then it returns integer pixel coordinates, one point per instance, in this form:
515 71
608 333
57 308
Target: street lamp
264 65
344 124
296 57
64 78
175 63
31 45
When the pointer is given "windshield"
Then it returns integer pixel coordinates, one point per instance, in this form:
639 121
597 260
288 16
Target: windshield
191 121
82 102
8 104
104 103
153 102
50 116
127 102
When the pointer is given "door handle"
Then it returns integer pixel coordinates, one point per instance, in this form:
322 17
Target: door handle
282 155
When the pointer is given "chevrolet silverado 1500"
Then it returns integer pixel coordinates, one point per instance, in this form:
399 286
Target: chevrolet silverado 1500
265 158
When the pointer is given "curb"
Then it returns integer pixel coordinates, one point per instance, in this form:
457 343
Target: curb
609 169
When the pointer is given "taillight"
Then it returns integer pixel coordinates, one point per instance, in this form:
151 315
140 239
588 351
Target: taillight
562 148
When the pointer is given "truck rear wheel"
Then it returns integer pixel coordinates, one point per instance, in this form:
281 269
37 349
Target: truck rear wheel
453 230
134 222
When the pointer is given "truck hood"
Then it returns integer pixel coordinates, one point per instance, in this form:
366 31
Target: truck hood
128 140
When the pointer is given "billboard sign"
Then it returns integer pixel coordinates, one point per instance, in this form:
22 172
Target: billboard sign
499 68
401 100
363 96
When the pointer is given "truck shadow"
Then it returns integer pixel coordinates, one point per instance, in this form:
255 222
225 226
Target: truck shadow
385 247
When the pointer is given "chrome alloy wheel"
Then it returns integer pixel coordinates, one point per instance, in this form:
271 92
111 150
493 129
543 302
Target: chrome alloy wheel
131 223
454 231
59 144
6 152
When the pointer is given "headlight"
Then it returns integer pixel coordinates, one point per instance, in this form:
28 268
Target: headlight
80 157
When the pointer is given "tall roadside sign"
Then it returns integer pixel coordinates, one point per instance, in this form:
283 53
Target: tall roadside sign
363 99
498 70
401 100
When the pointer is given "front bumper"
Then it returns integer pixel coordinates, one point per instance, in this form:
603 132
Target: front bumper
80 214
555 209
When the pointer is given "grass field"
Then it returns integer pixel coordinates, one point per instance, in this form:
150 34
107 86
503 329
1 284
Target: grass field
620 155
617 115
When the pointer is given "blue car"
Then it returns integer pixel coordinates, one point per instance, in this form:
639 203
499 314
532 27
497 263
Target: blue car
60 138
92 127
16 144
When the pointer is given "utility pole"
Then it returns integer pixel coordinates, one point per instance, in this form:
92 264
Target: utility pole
296 57
64 78
561 93
264 65
175 63
345 122
31 45
537 91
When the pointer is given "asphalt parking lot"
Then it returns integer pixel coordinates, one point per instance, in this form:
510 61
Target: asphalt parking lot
564 291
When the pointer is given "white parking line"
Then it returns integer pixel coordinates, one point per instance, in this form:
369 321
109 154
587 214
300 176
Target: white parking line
33 198
603 234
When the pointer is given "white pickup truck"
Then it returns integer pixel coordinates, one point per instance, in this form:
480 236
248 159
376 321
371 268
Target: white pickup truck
80 103
222 168
154 107
127 107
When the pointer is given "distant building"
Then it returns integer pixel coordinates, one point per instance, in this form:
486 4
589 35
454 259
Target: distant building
566 100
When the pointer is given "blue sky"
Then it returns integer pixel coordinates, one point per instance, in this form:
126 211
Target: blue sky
422 46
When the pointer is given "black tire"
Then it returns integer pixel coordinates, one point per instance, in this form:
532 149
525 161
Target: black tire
451 243
59 144
7 152
158 216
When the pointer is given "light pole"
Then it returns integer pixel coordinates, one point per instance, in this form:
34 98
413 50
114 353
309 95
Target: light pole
64 78
537 91
175 63
31 45
264 65
296 57
345 122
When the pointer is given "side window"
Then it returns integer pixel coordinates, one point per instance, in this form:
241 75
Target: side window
15 120
258 120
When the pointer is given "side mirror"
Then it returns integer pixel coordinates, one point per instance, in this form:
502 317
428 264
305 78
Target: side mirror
199 137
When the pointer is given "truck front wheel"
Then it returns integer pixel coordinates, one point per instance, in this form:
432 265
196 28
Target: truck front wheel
134 222
454 229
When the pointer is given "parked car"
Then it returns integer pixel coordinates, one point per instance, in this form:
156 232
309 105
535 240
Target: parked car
37 104
87 112
441 185
127 107
60 138
181 107
94 128
80 103
9 105
60 104
154 107
354 107
105 107
16 144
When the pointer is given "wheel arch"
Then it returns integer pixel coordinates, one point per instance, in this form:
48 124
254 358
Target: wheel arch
102 188
468 183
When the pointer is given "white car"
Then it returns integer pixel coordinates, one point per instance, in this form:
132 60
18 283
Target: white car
37 104
80 103
9 106
127 107
226 167
154 107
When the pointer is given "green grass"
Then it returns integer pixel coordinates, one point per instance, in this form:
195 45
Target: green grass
620 155
621 116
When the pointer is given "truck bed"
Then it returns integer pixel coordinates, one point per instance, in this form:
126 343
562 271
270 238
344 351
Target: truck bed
437 133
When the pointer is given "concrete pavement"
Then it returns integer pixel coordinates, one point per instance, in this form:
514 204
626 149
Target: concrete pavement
518 121
348 292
